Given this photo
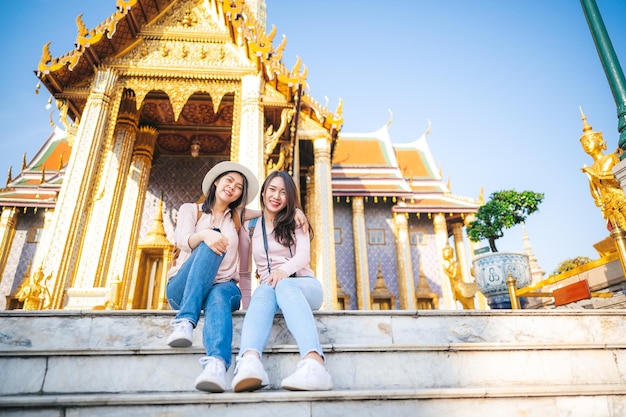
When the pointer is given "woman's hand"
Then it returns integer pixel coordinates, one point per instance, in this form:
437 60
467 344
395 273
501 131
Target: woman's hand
275 277
301 221
216 241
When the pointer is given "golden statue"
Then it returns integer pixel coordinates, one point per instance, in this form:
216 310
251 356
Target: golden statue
34 293
605 189
462 291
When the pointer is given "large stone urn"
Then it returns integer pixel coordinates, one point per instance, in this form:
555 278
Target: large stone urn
491 271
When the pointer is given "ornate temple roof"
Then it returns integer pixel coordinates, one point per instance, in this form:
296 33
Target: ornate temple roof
39 182
370 165
69 76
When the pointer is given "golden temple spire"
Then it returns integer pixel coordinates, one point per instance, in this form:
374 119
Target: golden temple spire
156 235
380 281
9 176
427 299
586 126
24 161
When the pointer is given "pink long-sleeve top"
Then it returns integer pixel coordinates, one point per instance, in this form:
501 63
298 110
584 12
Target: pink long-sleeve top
189 223
297 261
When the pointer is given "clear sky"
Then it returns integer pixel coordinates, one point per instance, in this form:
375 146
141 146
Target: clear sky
500 81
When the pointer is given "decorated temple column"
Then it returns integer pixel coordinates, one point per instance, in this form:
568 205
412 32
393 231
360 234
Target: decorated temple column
60 246
404 266
461 255
129 224
249 150
441 239
473 246
310 208
324 222
481 301
102 225
362 278
247 139
8 224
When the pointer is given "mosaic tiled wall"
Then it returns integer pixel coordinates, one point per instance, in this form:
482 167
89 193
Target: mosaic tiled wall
424 253
379 216
180 181
21 252
344 252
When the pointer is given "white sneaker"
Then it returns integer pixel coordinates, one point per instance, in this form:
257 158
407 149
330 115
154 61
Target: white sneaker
213 376
309 376
182 336
249 374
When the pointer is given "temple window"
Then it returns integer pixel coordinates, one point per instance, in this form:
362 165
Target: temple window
337 235
417 237
376 236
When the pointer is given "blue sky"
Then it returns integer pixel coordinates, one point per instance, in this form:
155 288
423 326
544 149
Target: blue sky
500 81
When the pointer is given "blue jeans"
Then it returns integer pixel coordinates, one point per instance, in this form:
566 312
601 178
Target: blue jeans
296 298
192 290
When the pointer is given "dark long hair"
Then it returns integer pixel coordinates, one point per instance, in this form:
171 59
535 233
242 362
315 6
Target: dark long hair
284 222
209 201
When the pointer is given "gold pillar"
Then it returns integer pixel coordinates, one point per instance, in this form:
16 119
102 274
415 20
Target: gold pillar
459 248
247 144
133 204
325 267
472 245
8 225
310 209
60 245
362 275
249 151
481 301
441 239
619 236
404 266
102 225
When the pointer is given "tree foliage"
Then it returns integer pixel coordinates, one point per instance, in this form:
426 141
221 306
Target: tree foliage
504 210
571 263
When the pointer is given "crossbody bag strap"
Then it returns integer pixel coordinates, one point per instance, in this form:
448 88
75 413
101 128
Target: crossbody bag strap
267 256
251 226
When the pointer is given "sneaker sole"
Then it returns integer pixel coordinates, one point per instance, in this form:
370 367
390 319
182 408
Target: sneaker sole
305 388
209 386
180 343
248 384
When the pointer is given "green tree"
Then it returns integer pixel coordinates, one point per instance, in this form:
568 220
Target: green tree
504 210
571 263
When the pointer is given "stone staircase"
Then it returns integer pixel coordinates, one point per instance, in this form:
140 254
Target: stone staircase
403 363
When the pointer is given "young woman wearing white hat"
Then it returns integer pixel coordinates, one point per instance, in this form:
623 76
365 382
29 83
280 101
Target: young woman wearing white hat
205 274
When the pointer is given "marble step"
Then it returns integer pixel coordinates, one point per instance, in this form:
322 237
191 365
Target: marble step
517 363
526 401
32 332
420 367
91 352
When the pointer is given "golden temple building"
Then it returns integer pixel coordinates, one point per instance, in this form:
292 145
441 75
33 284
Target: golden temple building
156 95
